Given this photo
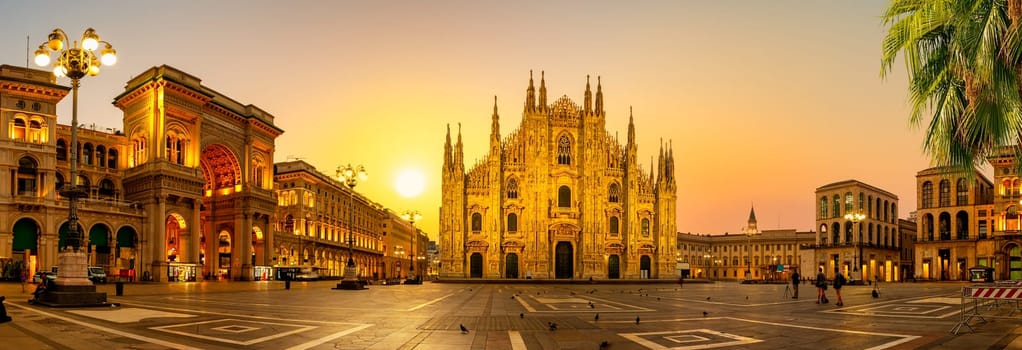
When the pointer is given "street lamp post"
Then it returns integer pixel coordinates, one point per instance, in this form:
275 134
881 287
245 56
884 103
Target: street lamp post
749 231
856 218
412 216
75 62
351 176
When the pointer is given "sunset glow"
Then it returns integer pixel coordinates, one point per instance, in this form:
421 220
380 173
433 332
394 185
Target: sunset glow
761 101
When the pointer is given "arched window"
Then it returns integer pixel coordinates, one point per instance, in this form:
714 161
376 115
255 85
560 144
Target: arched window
19 129
27 171
564 150
58 181
100 156
512 222
862 200
477 222
83 183
61 150
849 202
564 197
87 154
962 189
927 195
613 193
175 148
289 224
837 207
614 227
945 193
106 188
645 227
111 159
35 131
823 208
512 189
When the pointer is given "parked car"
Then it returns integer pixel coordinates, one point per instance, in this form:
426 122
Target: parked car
307 276
96 274
39 276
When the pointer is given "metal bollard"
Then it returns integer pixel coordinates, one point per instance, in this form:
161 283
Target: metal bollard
120 288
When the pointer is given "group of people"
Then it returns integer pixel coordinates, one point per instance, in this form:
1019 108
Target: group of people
821 286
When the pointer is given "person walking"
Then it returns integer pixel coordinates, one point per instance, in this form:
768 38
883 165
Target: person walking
821 287
794 283
24 279
839 281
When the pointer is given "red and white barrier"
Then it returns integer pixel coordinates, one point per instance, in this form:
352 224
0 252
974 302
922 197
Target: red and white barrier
987 294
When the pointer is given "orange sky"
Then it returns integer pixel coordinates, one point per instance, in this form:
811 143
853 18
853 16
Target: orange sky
763 100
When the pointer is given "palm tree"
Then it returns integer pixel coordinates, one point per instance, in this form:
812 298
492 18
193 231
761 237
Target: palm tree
963 60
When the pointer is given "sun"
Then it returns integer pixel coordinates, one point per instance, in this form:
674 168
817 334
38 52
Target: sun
410 183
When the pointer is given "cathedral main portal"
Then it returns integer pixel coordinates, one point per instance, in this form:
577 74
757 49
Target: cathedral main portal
564 261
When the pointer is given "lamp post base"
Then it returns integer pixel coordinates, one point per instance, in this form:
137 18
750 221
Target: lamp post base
350 281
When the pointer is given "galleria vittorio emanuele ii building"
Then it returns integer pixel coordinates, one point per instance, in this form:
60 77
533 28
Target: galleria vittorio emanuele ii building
558 197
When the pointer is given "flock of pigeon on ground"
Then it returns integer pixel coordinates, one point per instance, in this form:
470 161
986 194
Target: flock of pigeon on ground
552 326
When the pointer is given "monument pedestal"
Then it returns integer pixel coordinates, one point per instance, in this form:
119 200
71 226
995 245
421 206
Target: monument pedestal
350 281
72 288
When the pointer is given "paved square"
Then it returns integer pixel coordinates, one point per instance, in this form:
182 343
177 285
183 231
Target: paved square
244 332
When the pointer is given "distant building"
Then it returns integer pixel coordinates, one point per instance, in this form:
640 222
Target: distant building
559 197
766 255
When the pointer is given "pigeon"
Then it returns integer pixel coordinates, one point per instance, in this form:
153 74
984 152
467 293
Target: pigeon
521 315
657 298
591 306
604 344
636 319
512 297
746 297
463 329
553 326
705 313
707 298
597 317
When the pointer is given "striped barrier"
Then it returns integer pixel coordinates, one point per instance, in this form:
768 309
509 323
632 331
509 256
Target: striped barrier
974 295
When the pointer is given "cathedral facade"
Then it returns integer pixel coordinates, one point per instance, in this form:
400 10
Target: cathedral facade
558 198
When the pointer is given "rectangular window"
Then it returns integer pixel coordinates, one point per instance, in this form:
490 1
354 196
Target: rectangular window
983 213
982 229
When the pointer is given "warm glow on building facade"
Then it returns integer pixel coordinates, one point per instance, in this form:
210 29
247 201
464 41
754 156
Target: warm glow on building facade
558 197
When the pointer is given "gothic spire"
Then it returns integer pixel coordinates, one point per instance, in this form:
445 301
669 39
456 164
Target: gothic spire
599 96
589 97
495 124
670 161
661 163
542 90
459 156
530 95
752 220
447 149
631 127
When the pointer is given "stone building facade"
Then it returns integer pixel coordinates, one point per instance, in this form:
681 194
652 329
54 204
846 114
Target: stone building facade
186 190
867 250
183 191
557 198
318 215
970 221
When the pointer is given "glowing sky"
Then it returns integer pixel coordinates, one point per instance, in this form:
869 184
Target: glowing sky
764 101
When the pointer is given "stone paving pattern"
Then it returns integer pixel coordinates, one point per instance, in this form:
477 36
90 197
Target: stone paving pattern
311 315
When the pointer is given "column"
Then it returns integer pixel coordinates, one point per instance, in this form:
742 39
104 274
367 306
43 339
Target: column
195 235
158 240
